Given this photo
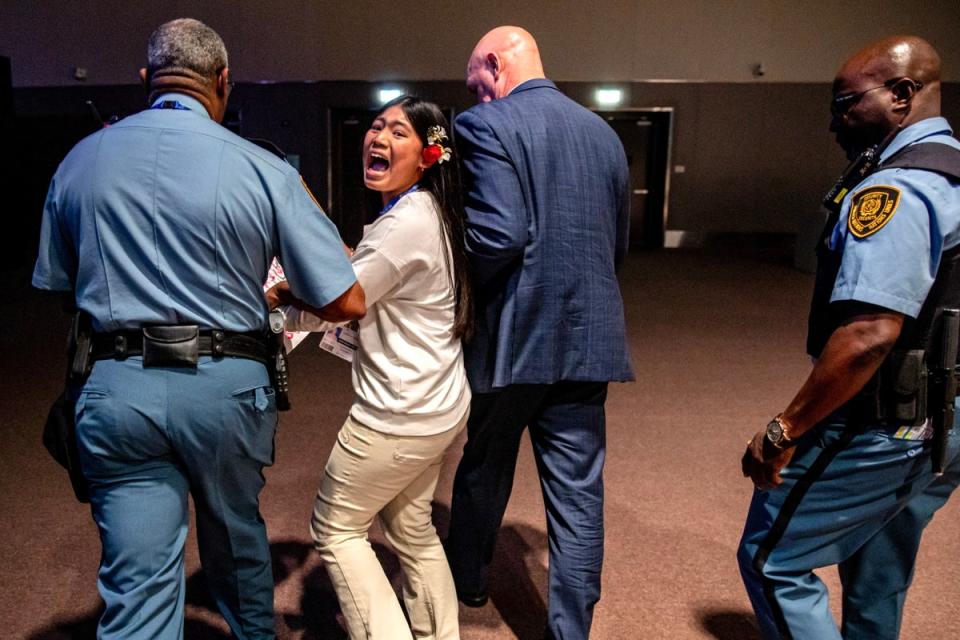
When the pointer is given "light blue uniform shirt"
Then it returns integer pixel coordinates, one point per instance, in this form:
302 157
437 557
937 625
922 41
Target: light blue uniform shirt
168 218
895 266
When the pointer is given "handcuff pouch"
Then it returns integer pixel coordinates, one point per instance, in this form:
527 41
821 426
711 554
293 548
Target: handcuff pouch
171 346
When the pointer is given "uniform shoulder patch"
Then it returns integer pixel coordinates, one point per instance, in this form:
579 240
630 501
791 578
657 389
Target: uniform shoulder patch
310 193
871 209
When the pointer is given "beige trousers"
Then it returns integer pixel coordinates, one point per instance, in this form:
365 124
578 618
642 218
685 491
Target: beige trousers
370 473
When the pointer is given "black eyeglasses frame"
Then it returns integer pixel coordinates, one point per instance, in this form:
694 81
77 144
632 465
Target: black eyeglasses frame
841 105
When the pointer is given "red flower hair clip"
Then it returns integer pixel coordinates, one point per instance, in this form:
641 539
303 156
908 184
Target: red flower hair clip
434 151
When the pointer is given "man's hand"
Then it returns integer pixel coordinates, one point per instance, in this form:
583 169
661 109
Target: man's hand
350 305
279 294
854 352
762 462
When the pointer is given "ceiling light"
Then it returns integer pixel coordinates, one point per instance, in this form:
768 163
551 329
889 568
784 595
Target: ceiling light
609 97
386 95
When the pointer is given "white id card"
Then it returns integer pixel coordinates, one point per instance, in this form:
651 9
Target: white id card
923 432
341 342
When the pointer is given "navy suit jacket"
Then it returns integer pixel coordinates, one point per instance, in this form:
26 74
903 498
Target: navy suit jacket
547 202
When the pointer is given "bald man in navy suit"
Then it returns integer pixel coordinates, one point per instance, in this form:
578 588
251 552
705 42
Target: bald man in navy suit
547 202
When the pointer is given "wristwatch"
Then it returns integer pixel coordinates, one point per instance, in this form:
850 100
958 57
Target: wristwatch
777 434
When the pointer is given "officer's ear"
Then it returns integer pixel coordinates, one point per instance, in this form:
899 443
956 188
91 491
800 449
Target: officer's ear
144 78
903 91
223 82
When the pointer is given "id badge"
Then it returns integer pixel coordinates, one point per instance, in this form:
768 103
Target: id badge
341 342
923 432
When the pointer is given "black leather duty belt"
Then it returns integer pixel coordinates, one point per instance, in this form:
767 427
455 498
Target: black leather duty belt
119 345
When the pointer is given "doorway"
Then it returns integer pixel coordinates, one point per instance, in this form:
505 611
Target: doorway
646 135
351 205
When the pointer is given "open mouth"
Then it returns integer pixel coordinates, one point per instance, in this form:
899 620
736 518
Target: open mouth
377 163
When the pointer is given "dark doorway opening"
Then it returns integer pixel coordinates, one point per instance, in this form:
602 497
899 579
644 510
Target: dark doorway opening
352 205
646 137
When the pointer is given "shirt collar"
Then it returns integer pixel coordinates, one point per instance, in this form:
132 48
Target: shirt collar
534 83
395 199
915 133
190 103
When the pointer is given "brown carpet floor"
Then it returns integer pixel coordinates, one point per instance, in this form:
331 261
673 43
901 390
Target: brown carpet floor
717 342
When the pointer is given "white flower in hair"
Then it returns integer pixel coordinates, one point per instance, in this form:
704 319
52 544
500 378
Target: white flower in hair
435 151
436 135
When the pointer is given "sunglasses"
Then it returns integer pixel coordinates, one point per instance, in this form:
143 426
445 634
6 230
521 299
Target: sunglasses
840 105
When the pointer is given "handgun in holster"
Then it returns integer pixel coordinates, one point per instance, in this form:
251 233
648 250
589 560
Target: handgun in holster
943 386
79 348
59 429
279 373
898 394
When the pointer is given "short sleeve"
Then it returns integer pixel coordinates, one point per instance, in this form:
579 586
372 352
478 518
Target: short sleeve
310 248
888 256
56 266
401 243
376 272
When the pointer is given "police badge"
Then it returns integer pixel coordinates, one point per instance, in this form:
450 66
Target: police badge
872 208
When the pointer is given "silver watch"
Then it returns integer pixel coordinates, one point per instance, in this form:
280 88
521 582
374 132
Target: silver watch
777 434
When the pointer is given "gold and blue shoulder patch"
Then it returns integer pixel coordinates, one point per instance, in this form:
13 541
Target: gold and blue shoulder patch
871 209
310 193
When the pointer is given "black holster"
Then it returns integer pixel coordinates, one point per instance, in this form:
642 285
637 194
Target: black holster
60 429
277 363
943 390
898 394
914 386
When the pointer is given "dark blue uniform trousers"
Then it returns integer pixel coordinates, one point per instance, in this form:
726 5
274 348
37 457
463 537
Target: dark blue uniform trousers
859 500
147 439
567 430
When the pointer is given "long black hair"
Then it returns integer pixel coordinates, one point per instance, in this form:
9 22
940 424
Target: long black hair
442 181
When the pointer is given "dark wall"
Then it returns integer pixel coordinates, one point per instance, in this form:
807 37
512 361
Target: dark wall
6 89
12 223
599 40
756 158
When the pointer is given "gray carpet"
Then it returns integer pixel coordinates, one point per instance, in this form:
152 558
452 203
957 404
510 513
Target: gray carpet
717 342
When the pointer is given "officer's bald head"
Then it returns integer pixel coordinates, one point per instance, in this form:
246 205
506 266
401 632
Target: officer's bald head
891 58
886 86
895 56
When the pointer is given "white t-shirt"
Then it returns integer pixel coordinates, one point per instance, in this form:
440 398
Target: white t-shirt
408 370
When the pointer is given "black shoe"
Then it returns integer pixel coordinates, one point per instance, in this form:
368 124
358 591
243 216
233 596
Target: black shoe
475 600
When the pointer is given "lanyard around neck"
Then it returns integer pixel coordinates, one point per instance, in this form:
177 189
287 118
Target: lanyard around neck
171 104
395 199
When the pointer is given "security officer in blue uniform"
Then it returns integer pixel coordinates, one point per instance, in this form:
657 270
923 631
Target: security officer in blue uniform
162 227
854 468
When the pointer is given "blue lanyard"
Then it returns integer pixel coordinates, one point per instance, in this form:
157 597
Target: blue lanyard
396 198
171 104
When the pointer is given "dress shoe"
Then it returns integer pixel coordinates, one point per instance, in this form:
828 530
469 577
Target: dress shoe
475 600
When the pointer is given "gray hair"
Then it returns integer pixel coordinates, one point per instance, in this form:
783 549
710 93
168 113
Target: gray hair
186 43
